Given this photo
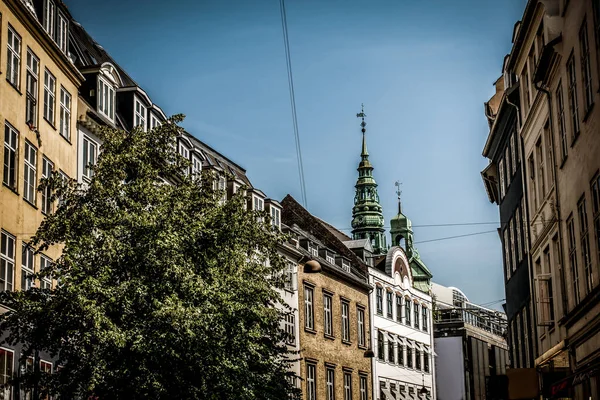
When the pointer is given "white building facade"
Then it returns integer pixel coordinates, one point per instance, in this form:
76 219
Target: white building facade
402 334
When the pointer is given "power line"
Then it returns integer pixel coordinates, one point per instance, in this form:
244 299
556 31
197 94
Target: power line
456 237
288 61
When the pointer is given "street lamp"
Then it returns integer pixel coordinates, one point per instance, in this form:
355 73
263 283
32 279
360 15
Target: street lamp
423 391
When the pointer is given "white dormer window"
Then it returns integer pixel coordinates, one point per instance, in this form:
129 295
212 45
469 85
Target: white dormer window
222 183
62 33
276 217
185 153
259 204
314 251
196 166
345 265
330 259
49 16
140 114
154 122
106 99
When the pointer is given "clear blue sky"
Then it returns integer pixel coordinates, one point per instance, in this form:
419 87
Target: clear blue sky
423 69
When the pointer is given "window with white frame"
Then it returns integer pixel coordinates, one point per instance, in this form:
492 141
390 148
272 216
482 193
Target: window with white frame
275 217
89 157
27 267
380 346
389 302
45 262
65 113
309 312
290 276
586 67
398 307
49 16
573 102
30 173
65 179
347 385
31 83
49 96
259 204
13 62
407 311
327 314
47 169
409 355
106 99
290 328
184 152
62 33
154 121
426 359
363 387
140 114
330 383
6 372
329 257
360 320
345 265
7 261
311 381
196 166
222 184
345 321
314 251
379 295
391 350
425 319
11 140
416 311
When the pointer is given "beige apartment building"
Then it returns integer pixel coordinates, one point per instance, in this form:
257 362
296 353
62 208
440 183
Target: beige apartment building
554 62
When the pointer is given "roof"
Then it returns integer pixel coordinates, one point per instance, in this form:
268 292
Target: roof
359 244
339 234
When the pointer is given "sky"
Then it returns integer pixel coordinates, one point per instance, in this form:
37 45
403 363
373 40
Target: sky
422 68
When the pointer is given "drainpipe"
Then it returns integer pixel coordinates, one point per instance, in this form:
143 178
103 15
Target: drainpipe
527 218
556 201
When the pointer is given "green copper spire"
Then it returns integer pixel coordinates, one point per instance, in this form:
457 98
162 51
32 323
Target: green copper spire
367 214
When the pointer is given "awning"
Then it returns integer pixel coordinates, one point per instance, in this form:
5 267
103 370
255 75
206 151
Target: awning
410 343
558 389
387 394
402 341
419 347
391 337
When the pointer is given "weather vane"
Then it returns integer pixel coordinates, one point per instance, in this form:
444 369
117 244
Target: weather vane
398 191
362 115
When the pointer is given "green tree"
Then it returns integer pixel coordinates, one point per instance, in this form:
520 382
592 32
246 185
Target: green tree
164 290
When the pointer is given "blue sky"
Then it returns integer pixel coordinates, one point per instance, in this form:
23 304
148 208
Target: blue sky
423 69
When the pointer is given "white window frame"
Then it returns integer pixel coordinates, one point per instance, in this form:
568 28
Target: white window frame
258 204
49 14
290 328
7 261
345 265
309 308
4 377
49 96
311 381
31 87
13 62
10 163
47 169
27 266
89 157
328 314
106 98
140 113
314 251
345 310
154 121
330 383
45 262
65 113
62 33
330 259
196 166
363 387
276 217
360 325
347 385
290 276
30 173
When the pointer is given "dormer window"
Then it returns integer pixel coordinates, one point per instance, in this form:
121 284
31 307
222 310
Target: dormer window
154 122
330 258
106 99
49 17
222 183
314 250
140 114
62 33
276 217
258 203
345 265
196 165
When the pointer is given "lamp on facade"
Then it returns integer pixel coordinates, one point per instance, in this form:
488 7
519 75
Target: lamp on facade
423 391
369 353
311 266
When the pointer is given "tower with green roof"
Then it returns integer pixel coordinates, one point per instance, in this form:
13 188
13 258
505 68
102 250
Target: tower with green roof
367 214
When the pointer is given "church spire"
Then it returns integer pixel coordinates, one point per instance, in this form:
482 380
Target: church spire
367 214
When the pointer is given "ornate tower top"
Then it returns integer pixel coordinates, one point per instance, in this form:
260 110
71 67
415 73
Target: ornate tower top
367 214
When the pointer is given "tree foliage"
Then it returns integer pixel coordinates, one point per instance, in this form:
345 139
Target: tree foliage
165 291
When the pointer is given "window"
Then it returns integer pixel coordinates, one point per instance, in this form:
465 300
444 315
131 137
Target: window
140 114
360 318
62 34
363 387
390 303
329 258
11 139
379 293
6 371
586 67
330 383
345 265
380 349
311 384
508 166
314 251
47 168
49 96
49 16
391 350
544 295
258 204
513 152
13 61
416 310
573 259
347 386
407 311
327 314
7 261
345 321
401 352
518 232
45 262
309 315
27 267
90 151
290 276
398 308
196 166
502 180
65 114
511 234
45 367
539 155
290 328
506 252
596 210
409 357
573 105
584 238
65 179
562 128
106 99
31 83
425 319
533 183
30 173
526 89
154 122
275 217
426 360
417 359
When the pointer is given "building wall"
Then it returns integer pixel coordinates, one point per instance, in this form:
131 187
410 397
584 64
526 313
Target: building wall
449 367
318 349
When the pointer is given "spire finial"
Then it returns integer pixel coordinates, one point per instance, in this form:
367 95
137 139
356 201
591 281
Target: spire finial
363 124
399 193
